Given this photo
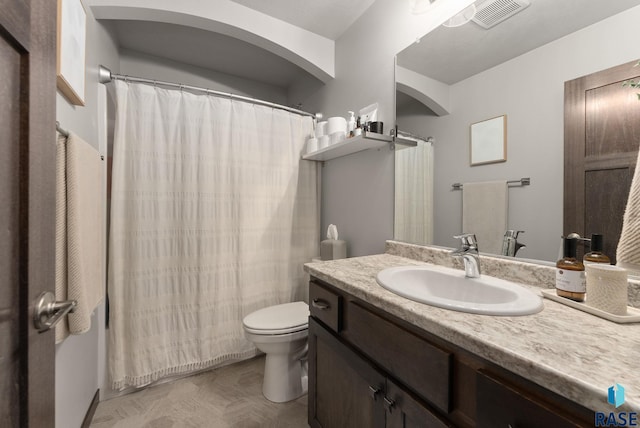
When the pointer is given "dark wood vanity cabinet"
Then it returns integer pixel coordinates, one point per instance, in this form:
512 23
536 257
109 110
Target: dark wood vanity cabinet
347 391
501 405
368 368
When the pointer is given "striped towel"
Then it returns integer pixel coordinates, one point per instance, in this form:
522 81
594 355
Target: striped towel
628 252
80 253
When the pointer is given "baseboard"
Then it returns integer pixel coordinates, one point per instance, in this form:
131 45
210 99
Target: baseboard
88 418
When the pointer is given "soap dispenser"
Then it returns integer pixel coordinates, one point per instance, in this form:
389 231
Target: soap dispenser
351 124
570 277
596 255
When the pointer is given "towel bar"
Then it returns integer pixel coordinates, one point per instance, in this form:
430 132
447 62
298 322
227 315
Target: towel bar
65 134
525 181
61 130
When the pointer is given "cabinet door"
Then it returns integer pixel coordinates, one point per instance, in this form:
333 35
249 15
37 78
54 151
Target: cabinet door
502 405
410 359
406 411
344 390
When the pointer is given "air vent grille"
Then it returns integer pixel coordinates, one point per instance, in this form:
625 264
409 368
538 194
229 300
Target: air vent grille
493 12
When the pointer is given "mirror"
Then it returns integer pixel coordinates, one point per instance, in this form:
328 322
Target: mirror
455 77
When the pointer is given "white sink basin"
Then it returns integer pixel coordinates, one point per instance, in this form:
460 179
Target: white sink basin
450 289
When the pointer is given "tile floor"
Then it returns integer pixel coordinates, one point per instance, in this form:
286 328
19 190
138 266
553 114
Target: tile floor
227 397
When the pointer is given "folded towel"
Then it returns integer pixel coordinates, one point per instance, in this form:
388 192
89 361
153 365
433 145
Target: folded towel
485 208
80 253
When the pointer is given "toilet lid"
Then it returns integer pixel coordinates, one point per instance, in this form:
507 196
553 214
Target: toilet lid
278 319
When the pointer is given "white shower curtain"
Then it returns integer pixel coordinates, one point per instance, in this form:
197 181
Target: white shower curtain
212 216
413 215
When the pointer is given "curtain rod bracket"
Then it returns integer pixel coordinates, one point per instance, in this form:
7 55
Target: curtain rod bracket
104 74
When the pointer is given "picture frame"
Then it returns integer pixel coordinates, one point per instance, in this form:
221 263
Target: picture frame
488 141
71 50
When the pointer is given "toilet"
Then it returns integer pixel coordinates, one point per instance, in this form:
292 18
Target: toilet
280 332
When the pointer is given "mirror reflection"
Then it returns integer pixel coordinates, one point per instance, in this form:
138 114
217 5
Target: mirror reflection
455 77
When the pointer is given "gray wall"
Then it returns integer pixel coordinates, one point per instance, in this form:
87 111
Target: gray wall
357 190
80 359
151 67
530 91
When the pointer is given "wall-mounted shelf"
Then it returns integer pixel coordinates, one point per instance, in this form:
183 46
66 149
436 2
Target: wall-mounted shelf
368 140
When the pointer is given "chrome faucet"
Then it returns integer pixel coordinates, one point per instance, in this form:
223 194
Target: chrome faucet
468 252
510 244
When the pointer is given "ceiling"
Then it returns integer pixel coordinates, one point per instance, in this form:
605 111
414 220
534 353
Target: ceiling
221 53
446 54
206 49
450 55
328 18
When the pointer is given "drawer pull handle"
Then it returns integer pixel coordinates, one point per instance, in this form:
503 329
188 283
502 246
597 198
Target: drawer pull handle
389 404
320 304
373 392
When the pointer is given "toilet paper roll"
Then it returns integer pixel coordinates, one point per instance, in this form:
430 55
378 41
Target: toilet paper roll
323 142
321 129
336 124
312 145
337 137
607 288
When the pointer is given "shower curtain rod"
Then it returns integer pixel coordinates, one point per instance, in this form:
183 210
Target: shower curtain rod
400 133
105 76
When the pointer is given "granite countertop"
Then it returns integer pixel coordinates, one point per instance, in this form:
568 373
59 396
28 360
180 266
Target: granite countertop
572 353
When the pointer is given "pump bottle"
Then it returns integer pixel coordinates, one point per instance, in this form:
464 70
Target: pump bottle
570 277
351 124
596 255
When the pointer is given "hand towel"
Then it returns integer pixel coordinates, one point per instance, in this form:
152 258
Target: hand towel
80 253
485 208
628 251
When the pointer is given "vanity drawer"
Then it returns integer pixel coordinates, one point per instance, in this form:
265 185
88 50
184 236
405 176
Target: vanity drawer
500 404
326 306
412 360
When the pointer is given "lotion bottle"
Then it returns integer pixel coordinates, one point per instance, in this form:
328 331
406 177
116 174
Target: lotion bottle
351 124
596 255
570 277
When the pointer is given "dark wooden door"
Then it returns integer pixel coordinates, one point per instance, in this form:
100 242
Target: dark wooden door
27 208
601 140
344 390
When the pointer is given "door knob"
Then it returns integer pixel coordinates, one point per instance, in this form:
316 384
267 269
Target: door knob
47 312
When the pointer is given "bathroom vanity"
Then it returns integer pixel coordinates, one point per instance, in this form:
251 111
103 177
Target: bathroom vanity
377 359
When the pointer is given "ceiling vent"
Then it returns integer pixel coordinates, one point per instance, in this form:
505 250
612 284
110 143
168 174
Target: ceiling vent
492 12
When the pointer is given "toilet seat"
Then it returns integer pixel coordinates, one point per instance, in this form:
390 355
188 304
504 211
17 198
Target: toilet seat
278 319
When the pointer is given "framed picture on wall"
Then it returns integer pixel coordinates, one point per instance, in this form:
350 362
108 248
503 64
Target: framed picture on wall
72 21
489 141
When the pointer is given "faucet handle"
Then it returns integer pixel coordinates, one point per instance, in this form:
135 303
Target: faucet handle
468 240
513 233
